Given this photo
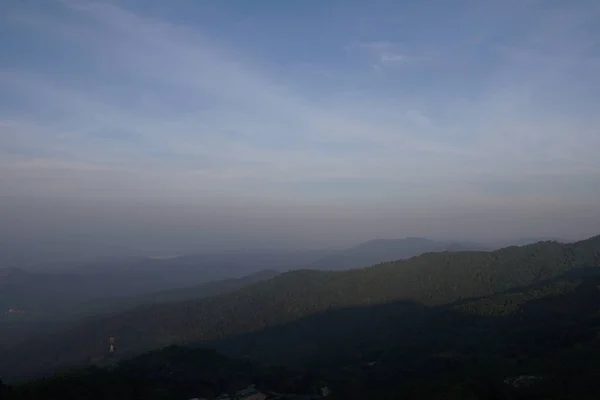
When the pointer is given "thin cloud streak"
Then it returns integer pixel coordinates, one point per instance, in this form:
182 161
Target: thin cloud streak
161 109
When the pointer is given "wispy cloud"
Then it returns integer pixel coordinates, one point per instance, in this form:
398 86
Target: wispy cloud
387 53
158 99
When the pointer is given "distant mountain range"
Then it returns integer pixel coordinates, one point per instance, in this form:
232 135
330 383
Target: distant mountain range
29 306
208 289
537 342
47 299
233 321
44 294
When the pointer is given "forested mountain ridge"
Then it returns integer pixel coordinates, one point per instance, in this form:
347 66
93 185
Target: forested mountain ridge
383 250
202 290
28 313
432 279
46 293
546 335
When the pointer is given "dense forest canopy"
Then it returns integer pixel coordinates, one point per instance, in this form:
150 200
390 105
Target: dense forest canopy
538 342
430 280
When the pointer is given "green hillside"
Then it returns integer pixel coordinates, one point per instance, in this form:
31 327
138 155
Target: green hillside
548 334
14 327
430 280
208 289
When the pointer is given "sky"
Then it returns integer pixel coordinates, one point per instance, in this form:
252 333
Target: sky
220 124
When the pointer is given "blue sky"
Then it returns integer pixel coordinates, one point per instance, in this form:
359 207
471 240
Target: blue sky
309 105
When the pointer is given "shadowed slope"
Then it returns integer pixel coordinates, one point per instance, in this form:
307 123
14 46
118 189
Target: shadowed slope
396 350
431 279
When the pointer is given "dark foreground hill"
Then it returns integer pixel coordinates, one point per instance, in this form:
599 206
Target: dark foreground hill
430 280
538 342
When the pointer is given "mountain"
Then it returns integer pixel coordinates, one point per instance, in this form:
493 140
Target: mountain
46 298
531 240
429 280
45 294
381 250
230 264
49 312
170 373
203 290
211 265
55 253
35 293
535 342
